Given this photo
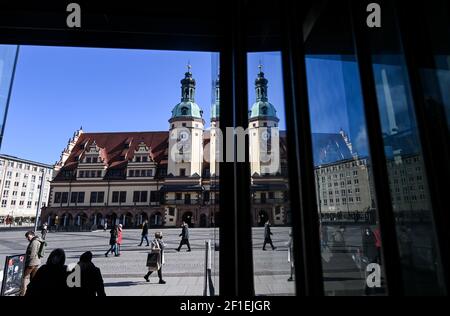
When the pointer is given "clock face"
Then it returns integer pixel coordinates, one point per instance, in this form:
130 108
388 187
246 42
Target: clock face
183 136
265 135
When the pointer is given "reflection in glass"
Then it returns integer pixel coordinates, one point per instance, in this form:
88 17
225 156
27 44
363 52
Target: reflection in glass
350 236
407 178
272 231
7 64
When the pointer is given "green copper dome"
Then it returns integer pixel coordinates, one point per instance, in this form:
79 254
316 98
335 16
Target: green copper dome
187 108
262 109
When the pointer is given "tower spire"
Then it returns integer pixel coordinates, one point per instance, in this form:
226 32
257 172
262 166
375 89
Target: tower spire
261 85
188 86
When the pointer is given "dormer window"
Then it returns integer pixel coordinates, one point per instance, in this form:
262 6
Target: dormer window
184 111
88 159
94 160
138 159
144 159
264 110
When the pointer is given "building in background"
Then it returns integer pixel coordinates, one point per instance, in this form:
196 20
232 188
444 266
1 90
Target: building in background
20 187
127 177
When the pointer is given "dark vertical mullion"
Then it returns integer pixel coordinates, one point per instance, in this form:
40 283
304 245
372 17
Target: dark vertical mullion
236 262
391 257
227 259
432 133
242 181
308 260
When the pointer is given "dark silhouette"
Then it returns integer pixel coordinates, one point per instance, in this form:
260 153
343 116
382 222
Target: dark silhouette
184 237
144 233
369 245
91 278
51 279
267 236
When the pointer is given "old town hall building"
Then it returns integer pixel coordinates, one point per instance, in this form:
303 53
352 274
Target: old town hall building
162 177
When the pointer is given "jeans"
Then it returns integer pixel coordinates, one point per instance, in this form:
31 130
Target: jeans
113 249
142 240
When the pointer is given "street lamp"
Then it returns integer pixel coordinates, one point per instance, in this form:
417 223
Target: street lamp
38 208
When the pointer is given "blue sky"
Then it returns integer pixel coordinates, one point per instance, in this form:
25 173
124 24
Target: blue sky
58 89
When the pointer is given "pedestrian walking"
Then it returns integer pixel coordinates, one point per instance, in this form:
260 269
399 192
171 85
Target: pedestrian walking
119 239
44 230
184 237
369 245
157 248
112 241
268 236
144 233
91 278
32 259
290 246
105 225
51 279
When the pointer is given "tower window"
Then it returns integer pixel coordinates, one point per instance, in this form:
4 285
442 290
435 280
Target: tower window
184 111
184 124
264 110
182 172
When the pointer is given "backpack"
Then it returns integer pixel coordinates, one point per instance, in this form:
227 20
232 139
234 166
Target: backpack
41 252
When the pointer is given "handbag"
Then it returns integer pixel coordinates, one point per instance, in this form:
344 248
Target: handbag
153 261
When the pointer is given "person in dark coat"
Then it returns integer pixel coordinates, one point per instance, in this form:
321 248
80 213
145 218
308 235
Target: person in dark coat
267 236
51 279
112 241
91 278
184 237
144 234
369 245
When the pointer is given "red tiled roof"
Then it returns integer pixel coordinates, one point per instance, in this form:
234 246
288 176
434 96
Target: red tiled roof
118 148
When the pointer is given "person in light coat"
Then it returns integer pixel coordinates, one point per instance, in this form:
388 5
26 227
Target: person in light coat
157 245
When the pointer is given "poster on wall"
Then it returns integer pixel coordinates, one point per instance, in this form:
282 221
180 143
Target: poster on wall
12 275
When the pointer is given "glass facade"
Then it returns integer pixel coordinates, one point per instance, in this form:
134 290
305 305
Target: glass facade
346 130
8 57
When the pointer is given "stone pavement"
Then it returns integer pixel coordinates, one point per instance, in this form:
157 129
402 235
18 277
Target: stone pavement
184 271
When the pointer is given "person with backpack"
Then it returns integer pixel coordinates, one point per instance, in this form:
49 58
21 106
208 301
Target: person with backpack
35 251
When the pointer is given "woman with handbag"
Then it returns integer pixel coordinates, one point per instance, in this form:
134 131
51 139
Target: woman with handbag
155 259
